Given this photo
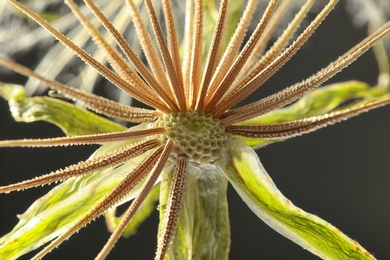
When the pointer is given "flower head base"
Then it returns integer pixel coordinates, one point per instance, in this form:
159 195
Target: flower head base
192 140
197 136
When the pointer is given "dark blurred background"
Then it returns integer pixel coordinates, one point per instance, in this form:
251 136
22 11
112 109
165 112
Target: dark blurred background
341 173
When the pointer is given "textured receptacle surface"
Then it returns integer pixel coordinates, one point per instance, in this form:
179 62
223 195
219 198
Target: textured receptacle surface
198 136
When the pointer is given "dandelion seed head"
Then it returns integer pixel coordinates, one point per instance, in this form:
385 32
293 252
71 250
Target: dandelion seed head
198 136
192 124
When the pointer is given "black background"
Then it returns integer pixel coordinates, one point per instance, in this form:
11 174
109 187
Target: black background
341 173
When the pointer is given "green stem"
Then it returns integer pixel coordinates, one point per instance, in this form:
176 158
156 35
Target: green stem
203 229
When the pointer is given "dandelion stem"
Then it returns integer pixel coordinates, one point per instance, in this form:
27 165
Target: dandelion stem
173 43
237 95
146 96
213 54
84 139
151 53
111 199
146 188
187 55
196 58
94 102
214 97
262 62
90 166
296 91
132 56
173 208
233 47
170 68
116 60
304 126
